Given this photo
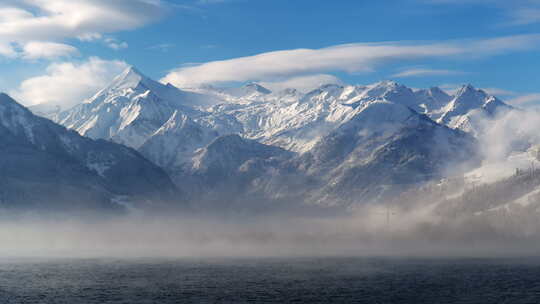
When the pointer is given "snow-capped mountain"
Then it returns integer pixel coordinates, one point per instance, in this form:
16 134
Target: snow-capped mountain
128 111
229 156
386 147
176 140
467 108
335 142
291 124
229 152
139 112
44 165
296 124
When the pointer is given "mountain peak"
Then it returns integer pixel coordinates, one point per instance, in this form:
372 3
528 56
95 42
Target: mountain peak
131 70
132 83
129 78
437 90
257 88
470 95
7 101
385 86
326 87
330 86
391 90
387 83
466 99
467 89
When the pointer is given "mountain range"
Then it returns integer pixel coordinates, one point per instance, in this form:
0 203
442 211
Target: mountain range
334 146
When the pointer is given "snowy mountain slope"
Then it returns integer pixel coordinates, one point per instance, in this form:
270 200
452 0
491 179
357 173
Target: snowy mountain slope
467 107
175 141
229 152
466 99
226 170
432 100
128 111
293 125
385 147
45 165
138 112
297 123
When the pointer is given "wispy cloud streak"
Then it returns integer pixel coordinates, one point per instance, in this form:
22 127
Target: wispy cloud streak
419 72
351 58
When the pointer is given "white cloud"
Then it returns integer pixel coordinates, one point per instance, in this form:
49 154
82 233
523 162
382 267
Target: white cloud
7 50
357 57
163 47
13 14
68 83
302 83
525 15
26 21
41 49
425 72
58 19
525 99
115 44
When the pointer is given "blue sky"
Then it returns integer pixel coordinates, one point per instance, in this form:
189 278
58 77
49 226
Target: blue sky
62 50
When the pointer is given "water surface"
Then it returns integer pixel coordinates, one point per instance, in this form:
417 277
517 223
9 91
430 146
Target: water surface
270 280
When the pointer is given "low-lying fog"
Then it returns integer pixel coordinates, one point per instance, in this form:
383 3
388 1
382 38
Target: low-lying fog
371 231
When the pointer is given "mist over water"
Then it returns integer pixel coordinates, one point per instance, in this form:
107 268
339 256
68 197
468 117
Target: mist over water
369 232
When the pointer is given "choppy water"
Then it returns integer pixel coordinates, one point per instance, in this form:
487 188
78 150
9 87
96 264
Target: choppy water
272 280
